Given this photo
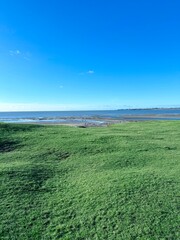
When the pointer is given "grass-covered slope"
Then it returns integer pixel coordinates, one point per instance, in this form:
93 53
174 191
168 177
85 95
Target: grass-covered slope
118 182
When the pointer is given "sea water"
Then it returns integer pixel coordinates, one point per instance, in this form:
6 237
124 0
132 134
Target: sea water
89 116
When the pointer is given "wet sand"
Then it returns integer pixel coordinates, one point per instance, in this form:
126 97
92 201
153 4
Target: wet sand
100 121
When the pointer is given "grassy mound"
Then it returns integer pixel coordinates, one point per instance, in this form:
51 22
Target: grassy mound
117 182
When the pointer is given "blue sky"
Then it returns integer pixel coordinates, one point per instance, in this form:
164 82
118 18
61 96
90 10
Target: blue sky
93 54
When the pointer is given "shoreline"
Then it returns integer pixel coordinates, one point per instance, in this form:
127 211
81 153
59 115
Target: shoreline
95 121
105 123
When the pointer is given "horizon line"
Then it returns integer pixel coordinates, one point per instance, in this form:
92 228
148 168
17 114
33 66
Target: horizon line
85 110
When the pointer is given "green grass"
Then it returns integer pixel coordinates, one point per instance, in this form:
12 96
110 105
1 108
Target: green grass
117 182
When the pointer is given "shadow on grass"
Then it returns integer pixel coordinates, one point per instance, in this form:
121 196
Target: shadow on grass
8 145
29 181
54 154
4 127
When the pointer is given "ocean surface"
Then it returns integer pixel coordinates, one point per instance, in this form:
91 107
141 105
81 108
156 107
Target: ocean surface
96 117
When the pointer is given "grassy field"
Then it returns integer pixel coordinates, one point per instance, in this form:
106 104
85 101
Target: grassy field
117 182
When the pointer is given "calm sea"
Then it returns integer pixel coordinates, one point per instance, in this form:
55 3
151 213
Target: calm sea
91 116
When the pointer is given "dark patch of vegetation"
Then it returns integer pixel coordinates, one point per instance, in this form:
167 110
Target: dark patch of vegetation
28 181
13 128
7 145
82 126
57 154
170 148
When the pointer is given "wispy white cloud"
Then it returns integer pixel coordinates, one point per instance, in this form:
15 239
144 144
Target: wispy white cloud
26 58
18 53
5 107
61 86
13 107
90 72
14 52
